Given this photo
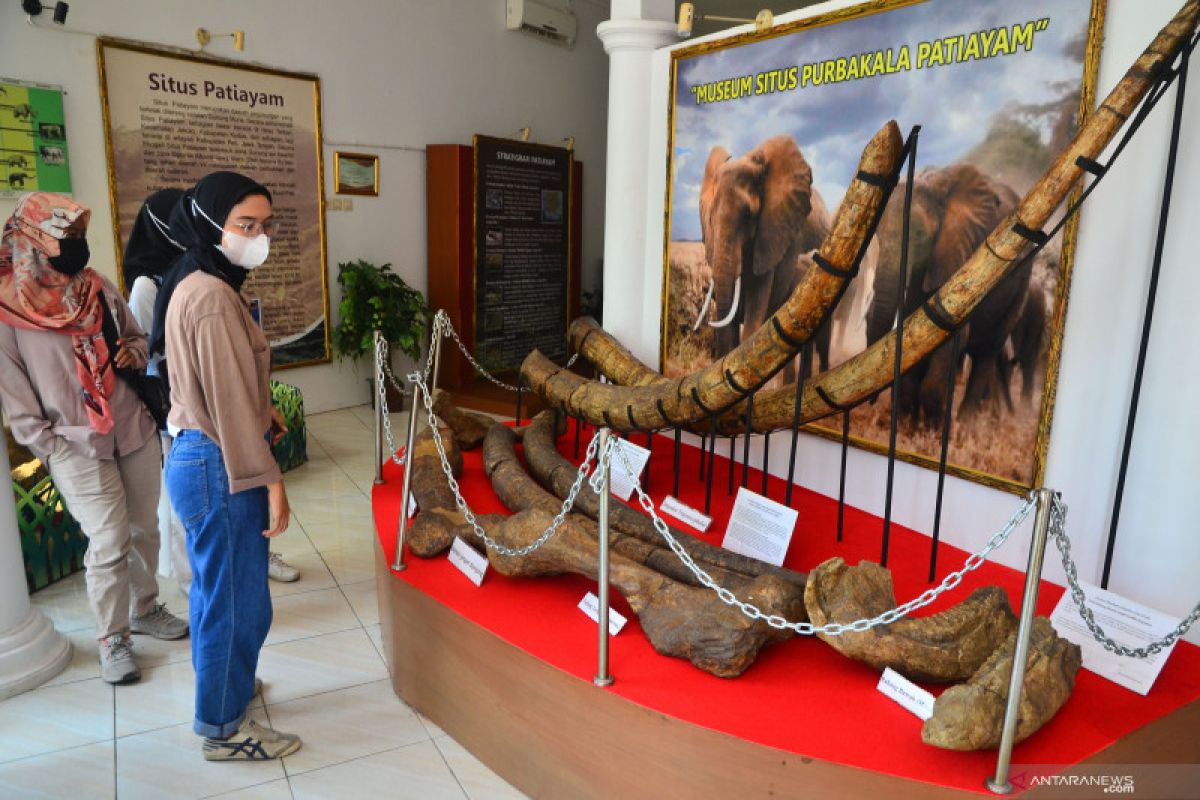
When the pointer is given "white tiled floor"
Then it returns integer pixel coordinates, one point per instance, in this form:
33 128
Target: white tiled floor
78 737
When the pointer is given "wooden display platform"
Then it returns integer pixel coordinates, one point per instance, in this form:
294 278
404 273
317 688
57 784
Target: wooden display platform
553 735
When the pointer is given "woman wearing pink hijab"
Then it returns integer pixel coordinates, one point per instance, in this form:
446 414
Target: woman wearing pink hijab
64 401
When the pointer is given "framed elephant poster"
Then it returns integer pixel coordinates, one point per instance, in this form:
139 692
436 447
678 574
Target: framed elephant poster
765 135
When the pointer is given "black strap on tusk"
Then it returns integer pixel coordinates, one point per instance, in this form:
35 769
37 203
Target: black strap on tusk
1036 237
938 314
829 401
1094 167
833 270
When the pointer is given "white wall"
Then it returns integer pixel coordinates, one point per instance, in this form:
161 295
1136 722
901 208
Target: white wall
395 75
1157 558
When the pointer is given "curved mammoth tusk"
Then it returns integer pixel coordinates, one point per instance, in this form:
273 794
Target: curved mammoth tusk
714 389
704 307
763 352
737 295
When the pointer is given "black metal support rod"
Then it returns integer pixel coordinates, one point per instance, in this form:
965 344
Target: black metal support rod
842 477
678 449
900 301
805 362
732 461
646 471
947 421
746 442
712 454
766 461
517 416
1148 319
703 455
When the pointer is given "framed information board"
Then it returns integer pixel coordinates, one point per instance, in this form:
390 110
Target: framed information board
522 238
33 139
171 118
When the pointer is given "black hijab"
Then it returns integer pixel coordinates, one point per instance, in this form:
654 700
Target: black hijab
151 249
197 222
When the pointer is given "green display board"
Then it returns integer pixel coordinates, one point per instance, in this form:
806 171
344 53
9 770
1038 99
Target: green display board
33 140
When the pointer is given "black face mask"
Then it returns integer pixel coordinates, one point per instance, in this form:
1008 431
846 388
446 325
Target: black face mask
72 256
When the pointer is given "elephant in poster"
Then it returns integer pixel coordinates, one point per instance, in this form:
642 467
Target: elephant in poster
953 210
761 219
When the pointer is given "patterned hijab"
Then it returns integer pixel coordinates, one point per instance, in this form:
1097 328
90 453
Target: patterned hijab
35 296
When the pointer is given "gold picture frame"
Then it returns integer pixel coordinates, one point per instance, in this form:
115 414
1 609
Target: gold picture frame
172 116
355 173
1089 45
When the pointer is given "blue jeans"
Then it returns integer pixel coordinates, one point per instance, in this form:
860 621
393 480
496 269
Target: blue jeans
230 604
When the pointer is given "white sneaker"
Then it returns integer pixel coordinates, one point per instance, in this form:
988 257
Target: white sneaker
251 742
280 570
116 660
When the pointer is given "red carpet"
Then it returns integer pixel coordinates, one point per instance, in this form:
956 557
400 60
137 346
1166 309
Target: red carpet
800 696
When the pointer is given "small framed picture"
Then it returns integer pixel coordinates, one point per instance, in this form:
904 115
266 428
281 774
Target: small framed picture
355 173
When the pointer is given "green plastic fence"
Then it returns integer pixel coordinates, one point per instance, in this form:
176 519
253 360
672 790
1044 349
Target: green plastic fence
292 450
52 542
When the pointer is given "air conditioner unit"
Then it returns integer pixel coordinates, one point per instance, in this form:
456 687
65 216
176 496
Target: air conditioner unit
552 23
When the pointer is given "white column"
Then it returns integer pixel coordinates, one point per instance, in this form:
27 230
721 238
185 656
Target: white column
31 650
637 28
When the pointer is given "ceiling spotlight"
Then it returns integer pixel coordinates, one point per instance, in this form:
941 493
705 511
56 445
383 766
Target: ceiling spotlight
34 8
203 36
687 15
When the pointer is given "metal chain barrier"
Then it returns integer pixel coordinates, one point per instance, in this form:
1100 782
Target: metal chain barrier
952 580
448 330
1058 530
460 501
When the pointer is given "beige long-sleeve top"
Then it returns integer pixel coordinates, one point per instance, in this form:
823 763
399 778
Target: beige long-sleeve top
40 391
219 366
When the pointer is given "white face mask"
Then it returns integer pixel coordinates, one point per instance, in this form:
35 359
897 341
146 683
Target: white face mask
245 251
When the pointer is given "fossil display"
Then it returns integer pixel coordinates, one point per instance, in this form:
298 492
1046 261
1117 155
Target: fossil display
942 648
762 353
556 473
439 521
679 620
970 716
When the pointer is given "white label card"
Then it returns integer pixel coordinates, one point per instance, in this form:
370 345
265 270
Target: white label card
906 693
759 527
620 482
685 513
412 506
469 562
1125 622
590 605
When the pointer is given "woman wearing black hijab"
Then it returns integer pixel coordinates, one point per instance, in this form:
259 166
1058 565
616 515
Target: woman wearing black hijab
149 253
221 474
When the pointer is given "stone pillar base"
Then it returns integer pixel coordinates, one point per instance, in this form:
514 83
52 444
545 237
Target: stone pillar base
31 654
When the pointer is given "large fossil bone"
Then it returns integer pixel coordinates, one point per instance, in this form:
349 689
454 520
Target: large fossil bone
970 716
557 473
714 388
439 521
942 648
763 352
679 620
519 492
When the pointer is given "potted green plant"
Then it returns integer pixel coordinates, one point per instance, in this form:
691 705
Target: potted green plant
376 298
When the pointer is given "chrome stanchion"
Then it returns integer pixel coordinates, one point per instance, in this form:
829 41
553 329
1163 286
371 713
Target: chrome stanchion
603 677
999 783
380 393
413 411
436 344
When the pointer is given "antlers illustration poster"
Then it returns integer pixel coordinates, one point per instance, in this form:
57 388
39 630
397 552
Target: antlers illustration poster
765 135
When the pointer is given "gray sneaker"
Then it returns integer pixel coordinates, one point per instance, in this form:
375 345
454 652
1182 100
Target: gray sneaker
280 570
251 742
116 660
159 623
